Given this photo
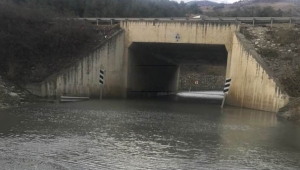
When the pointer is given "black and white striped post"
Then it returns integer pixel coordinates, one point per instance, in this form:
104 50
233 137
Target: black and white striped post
101 81
226 89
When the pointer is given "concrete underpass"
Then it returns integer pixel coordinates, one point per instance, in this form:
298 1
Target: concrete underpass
146 57
154 68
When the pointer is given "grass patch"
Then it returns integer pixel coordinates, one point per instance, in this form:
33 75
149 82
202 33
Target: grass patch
285 36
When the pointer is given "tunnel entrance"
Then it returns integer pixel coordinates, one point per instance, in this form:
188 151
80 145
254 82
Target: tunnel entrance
165 68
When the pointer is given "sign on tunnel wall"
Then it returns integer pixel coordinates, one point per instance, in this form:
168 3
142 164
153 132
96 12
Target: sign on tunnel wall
177 37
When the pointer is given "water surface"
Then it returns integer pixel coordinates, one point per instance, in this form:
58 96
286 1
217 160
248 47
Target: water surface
132 134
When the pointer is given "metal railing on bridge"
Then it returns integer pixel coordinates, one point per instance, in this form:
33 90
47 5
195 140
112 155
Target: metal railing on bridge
251 20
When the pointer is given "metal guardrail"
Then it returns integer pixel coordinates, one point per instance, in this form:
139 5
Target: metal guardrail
252 20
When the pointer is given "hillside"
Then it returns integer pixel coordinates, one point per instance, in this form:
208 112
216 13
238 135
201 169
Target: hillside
284 5
203 3
248 8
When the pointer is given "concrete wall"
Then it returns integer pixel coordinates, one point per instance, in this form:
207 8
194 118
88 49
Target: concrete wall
253 85
189 31
82 77
194 32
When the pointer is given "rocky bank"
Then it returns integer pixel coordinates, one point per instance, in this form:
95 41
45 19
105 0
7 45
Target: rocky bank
14 96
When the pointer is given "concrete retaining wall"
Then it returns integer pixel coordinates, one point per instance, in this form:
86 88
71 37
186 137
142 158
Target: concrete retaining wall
253 85
82 77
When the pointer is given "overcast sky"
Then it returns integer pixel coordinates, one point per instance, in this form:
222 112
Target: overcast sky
226 1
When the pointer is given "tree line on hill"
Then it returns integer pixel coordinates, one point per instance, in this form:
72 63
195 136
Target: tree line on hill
253 11
118 8
147 8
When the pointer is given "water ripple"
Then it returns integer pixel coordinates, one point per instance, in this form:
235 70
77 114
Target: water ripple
143 135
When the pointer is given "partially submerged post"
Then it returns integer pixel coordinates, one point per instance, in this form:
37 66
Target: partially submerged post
101 81
226 89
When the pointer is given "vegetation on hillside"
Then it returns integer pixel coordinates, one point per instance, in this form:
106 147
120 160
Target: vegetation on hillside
254 8
159 8
33 43
119 8
252 11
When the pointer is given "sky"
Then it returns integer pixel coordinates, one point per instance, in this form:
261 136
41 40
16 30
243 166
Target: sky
225 1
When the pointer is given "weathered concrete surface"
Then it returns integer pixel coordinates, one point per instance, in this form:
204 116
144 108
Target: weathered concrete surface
193 32
82 78
253 84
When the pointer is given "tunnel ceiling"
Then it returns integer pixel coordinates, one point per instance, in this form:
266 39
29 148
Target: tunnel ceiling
181 54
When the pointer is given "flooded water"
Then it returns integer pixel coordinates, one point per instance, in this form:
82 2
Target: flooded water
116 134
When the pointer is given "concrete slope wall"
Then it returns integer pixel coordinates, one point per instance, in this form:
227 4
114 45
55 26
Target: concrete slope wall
253 85
82 77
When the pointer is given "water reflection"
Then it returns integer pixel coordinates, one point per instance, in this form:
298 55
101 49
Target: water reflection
248 117
254 139
145 135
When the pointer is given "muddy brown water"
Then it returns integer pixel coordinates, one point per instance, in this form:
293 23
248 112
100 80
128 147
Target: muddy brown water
145 134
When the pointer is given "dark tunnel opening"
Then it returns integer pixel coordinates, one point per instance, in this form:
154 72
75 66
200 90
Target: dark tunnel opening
166 68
